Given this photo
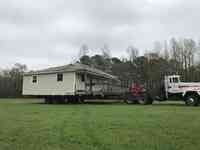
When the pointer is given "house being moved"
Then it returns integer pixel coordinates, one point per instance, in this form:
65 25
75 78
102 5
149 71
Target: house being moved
74 81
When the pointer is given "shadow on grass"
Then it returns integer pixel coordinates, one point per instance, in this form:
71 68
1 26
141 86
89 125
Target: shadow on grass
170 104
85 103
108 103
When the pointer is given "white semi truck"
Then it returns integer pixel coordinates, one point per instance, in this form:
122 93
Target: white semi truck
170 88
187 91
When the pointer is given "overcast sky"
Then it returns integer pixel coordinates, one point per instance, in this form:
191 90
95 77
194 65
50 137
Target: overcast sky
43 33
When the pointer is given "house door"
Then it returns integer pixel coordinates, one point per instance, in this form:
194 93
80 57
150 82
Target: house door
81 82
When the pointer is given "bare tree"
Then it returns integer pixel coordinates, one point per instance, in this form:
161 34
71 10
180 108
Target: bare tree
166 51
84 50
183 52
107 58
106 51
132 53
189 49
157 47
177 54
198 49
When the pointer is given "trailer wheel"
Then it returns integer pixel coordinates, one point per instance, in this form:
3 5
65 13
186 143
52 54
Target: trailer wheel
73 100
54 100
61 100
66 100
79 100
191 100
48 100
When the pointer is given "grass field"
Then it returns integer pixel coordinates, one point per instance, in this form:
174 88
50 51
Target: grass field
29 125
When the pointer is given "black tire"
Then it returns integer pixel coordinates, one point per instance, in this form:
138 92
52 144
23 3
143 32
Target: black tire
81 100
145 100
128 99
192 100
61 100
54 101
78 100
66 100
74 99
48 100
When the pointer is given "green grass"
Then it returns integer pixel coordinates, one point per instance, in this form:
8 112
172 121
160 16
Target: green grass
29 125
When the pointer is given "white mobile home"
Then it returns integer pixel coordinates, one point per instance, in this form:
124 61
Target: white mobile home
70 80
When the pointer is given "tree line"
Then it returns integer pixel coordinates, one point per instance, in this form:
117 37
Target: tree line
176 56
11 81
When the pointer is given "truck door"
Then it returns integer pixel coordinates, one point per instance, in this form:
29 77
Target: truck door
173 85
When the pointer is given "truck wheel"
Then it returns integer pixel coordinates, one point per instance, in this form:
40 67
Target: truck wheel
145 100
128 99
191 100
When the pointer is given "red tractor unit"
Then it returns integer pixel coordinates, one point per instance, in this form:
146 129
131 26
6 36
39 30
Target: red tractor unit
137 95
168 88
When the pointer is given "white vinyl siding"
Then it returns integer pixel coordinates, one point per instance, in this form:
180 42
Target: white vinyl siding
47 84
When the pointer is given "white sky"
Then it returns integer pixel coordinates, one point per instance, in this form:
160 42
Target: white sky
43 33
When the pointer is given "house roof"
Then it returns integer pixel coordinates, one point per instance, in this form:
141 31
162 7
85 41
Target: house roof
77 67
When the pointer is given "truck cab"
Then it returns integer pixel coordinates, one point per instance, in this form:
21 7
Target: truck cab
171 84
186 91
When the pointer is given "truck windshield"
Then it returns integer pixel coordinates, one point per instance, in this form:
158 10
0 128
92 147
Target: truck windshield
175 80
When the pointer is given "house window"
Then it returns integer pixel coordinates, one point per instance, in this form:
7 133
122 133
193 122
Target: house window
34 79
60 77
83 78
